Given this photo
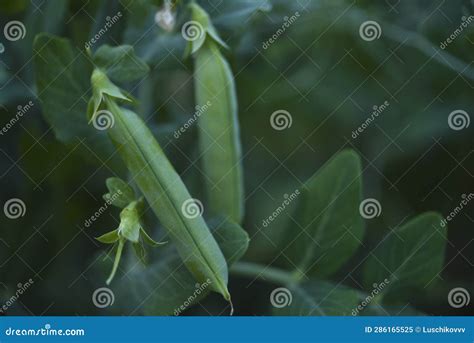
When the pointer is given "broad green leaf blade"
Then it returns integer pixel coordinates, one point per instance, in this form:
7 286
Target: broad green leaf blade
167 194
109 237
150 241
62 79
219 140
314 298
411 256
120 63
327 227
166 285
120 193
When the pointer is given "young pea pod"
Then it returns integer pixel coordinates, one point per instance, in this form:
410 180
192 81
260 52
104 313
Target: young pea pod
167 195
218 125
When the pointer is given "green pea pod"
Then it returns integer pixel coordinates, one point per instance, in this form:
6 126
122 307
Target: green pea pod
218 125
167 196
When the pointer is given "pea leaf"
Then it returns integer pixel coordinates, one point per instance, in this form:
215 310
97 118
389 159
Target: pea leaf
327 228
166 285
314 298
120 63
62 79
409 256
120 193
109 237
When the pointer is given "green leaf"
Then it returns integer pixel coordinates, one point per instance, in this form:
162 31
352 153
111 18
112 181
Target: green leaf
150 241
120 193
327 228
167 196
167 284
120 63
410 256
314 298
109 237
62 79
219 140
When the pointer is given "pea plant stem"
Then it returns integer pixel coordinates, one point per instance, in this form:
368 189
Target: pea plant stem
262 272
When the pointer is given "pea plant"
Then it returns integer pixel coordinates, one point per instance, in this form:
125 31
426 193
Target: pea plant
90 95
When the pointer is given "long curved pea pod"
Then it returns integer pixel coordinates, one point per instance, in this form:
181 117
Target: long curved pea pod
218 124
167 196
